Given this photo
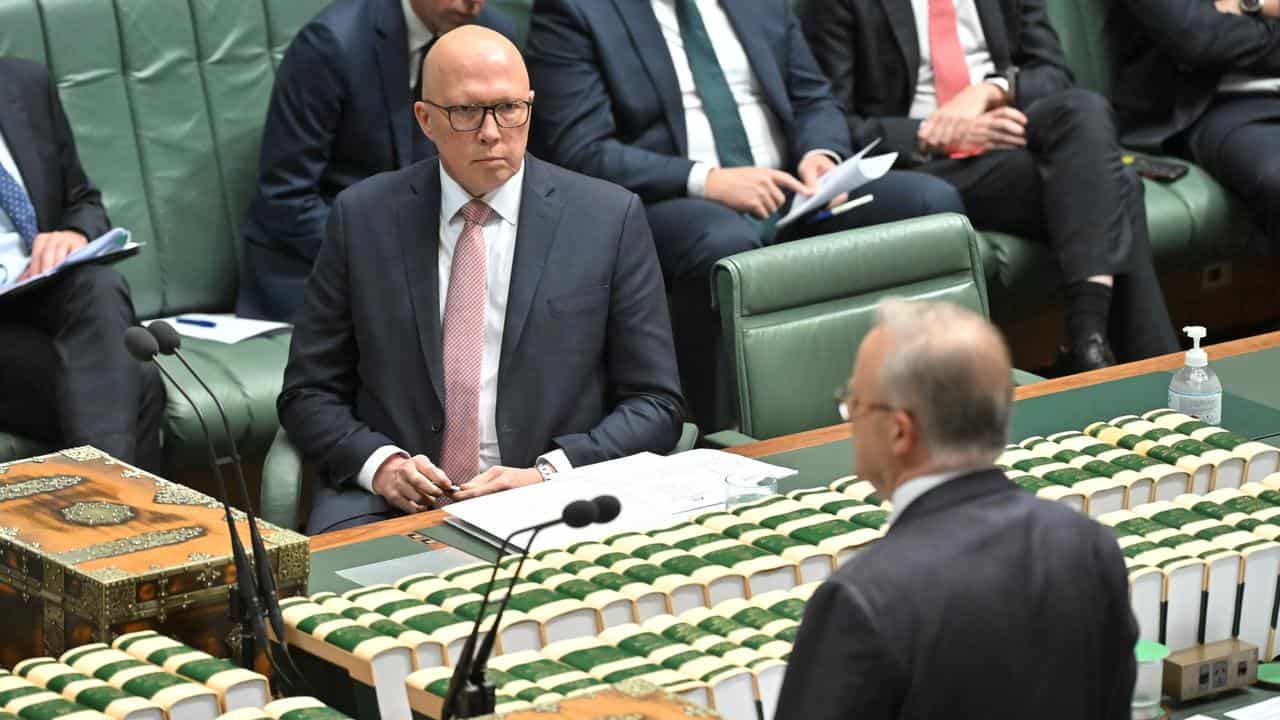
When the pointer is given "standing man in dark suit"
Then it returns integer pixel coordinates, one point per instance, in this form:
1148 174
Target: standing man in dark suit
1202 80
341 110
65 376
981 601
478 322
977 92
704 108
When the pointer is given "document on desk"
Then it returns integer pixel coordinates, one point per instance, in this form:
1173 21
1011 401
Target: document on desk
654 491
843 178
1265 710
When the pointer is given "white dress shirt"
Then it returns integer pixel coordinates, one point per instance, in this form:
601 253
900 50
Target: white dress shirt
418 34
972 41
13 259
763 131
500 247
1242 84
909 491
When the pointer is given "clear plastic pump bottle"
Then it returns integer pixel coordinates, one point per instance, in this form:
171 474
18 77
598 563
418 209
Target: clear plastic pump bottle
1195 389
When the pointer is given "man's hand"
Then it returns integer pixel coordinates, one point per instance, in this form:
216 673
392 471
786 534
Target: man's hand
49 249
815 165
410 485
949 122
1230 7
497 479
1001 129
755 190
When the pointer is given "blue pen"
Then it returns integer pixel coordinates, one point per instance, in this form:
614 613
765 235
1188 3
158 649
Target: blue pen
197 322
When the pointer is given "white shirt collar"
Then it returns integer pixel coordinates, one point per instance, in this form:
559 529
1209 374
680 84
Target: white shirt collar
909 491
418 32
504 200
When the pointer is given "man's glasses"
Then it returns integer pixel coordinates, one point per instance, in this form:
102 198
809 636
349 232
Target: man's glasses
469 118
849 408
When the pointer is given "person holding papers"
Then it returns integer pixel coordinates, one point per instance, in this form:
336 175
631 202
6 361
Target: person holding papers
979 94
479 321
714 113
65 376
981 600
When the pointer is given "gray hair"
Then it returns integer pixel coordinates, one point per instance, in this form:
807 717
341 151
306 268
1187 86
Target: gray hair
951 368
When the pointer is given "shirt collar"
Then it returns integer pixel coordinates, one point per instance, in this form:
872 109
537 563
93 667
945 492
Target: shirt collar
909 491
418 32
504 200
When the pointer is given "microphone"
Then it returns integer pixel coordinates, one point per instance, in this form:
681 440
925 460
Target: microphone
144 347
607 508
168 342
470 694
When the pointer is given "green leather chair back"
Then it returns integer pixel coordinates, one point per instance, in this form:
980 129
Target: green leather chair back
1080 25
167 100
793 314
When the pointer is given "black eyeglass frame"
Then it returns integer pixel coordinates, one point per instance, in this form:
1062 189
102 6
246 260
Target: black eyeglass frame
484 110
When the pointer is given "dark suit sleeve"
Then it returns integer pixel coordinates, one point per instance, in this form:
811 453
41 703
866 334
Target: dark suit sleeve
316 406
840 667
573 122
1042 66
640 357
1194 33
297 140
819 122
82 209
828 26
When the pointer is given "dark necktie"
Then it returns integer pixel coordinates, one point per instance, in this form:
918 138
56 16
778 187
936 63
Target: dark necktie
15 203
732 145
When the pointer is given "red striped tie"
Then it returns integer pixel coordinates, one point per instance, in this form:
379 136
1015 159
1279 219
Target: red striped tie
950 71
463 344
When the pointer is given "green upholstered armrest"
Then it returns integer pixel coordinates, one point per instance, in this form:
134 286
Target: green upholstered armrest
793 314
281 482
727 439
1022 377
688 438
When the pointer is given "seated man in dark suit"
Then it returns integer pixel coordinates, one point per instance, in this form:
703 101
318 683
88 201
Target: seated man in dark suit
341 110
65 377
477 322
1202 80
981 600
978 93
704 108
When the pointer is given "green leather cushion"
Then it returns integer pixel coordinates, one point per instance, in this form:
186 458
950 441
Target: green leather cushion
246 377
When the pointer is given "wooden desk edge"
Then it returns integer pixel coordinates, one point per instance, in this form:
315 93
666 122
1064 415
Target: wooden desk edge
822 436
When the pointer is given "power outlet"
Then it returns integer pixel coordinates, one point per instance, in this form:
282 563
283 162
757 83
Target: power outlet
1217 275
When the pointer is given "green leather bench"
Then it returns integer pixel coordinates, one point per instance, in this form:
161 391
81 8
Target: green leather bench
167 100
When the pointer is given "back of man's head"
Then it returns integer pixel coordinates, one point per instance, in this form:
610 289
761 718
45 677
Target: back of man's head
952 368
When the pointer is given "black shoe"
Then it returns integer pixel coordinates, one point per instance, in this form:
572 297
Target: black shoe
1093 353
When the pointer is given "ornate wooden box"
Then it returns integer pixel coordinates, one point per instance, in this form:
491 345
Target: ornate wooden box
91 548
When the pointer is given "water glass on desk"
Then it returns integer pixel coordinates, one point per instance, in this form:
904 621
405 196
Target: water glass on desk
745 489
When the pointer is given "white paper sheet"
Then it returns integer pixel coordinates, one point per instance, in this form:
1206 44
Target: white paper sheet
653 490
845 177
1265 710
227 329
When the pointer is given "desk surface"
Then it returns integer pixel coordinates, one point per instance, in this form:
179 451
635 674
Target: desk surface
1249 366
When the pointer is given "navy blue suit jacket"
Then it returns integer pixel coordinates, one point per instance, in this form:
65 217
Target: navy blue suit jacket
608 103
586 365
340 112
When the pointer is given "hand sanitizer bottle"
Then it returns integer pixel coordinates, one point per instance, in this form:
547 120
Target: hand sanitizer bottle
1195 389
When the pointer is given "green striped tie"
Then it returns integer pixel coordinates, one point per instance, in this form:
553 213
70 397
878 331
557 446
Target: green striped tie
730 136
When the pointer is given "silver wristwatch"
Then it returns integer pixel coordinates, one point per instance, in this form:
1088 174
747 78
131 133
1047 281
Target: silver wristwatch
544 468
1251 7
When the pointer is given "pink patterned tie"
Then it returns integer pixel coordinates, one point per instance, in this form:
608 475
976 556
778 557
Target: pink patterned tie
463 330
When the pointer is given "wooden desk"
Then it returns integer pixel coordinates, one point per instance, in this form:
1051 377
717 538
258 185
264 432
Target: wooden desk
822 436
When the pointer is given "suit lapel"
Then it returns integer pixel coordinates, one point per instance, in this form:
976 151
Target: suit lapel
642 26
539 217
767 68
902 20
997 35
418 224
18 136
391 44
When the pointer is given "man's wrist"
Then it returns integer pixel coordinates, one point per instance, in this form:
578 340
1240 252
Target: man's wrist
696 186
371 466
